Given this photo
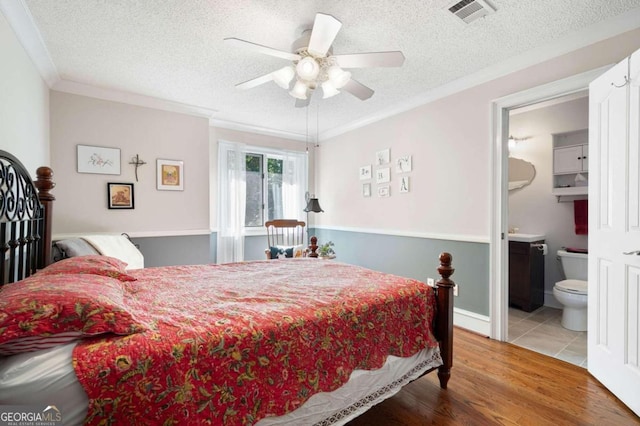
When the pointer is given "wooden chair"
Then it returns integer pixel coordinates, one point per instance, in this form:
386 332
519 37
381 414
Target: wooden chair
284 232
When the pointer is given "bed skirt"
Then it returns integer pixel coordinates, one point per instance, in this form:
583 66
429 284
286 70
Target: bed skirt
47 377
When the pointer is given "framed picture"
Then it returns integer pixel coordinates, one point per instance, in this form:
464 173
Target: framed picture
383 157
403 164
365 172
98 159
383 175
404 184
366 190
120 195
384 191
170 175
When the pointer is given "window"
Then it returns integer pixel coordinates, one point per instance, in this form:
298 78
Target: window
261 203
285 179
254 185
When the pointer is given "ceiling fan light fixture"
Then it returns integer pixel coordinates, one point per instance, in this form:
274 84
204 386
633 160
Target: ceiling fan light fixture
299 90
338 76
328 90
283 76
307 68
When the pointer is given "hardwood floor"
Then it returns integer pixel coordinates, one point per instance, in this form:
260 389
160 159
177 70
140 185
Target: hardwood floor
497 383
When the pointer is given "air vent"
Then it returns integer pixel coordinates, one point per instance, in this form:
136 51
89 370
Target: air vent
470 10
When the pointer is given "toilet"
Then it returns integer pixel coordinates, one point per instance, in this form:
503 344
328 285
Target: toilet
572 292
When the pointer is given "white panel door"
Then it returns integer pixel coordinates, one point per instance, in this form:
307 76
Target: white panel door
614 231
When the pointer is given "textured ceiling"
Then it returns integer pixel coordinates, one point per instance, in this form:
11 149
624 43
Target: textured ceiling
174 50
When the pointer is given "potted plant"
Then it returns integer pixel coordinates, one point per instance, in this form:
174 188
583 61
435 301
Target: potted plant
326 250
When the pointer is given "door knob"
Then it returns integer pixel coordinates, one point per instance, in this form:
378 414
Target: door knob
634 253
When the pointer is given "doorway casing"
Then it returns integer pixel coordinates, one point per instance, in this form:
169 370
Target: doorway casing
498 270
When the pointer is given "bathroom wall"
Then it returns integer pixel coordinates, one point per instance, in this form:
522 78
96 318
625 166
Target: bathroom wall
533 209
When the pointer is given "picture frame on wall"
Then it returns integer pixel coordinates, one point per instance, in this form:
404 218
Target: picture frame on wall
384 191
403 164
170 175
98 159
120 195
366 190
365 172
383 175
404 184
383 157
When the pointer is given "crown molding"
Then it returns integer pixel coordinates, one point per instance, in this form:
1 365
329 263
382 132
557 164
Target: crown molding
21 21
593 34
243 127
75 88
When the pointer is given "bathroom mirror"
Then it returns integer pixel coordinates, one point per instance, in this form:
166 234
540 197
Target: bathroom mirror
521 173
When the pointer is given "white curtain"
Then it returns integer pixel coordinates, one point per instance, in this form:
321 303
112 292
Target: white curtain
231 201
294 184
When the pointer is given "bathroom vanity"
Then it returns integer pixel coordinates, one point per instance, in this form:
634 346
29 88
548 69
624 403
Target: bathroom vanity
526 271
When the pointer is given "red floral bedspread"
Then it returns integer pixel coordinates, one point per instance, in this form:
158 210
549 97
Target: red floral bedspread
231 344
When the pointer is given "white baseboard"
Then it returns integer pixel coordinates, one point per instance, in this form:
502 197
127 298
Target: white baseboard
480 324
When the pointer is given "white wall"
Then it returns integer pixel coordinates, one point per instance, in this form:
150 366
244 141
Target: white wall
533 209
24 104
81 204
450 142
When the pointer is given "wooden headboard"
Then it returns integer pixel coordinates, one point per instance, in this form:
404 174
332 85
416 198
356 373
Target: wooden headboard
26 209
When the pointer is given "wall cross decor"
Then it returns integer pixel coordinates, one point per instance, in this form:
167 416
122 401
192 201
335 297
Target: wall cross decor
137 162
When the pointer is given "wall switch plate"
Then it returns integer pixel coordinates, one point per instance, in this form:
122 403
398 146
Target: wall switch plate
455 290
431 282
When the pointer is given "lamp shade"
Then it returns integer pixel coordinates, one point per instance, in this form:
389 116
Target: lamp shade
308 68
283 76
338 76
328 90
313 206
299 90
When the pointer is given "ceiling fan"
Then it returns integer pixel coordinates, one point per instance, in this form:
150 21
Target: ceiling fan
314 64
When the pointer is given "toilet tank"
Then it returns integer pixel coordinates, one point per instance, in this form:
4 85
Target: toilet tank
574 265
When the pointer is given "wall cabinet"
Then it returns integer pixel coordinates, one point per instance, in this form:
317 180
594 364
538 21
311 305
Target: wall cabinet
526 275
570 158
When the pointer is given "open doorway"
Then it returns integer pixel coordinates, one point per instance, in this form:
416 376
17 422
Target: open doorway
543 195
500 220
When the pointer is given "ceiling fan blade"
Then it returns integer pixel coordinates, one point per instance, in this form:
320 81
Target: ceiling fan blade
262 49
325 29
301 103
371 59
250 84
358 90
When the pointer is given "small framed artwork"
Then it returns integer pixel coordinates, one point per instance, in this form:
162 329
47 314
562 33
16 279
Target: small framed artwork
383 157
120 195
383 175
170 175
366 190
365 172
384 191
404 184
403 164
98 159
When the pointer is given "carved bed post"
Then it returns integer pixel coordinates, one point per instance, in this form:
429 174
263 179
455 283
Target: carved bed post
44 183
444 325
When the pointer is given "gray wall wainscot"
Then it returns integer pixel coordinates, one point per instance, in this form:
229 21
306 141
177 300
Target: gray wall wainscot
417 258
177 250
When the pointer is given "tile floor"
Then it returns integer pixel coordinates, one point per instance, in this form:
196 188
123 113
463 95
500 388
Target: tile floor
541 331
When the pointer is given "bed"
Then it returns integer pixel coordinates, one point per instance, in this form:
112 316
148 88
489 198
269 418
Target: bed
295 341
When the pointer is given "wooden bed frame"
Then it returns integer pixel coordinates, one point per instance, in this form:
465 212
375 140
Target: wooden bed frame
26 211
